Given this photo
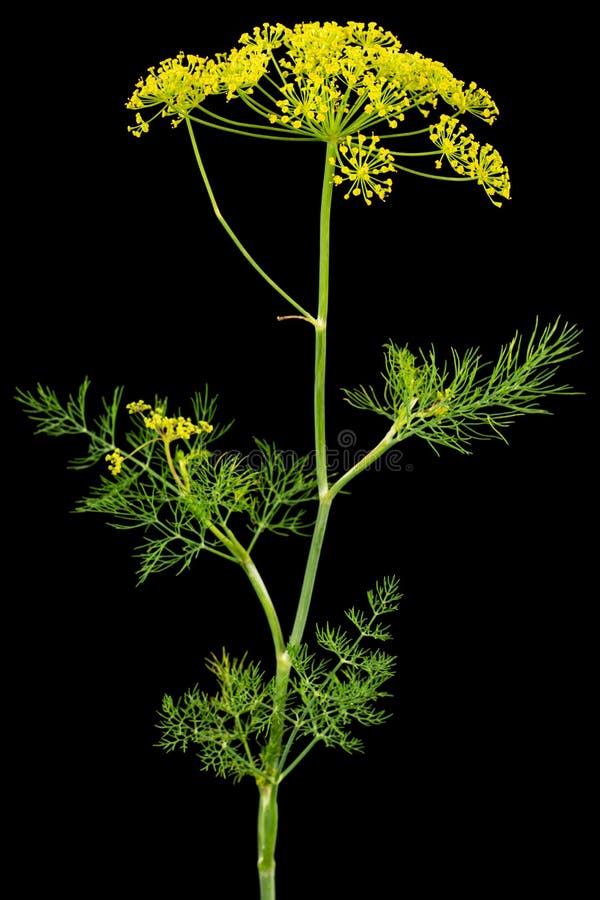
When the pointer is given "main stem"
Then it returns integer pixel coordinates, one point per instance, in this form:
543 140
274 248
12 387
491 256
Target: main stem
325 497
267 837
267 808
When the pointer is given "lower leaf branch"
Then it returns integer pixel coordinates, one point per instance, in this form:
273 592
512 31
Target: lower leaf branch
241 555
263 595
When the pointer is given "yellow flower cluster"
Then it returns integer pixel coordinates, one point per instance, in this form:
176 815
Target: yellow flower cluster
169 428
363 163
319 81
137 406
115 461
175 85
470 158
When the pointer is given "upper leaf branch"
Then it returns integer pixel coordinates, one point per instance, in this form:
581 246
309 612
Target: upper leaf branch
453 403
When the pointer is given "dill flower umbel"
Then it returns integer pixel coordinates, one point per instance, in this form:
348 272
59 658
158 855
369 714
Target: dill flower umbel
362 163
166 428
339 84
170 428
468 157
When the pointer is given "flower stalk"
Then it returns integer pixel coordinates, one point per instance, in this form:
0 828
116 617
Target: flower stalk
223 222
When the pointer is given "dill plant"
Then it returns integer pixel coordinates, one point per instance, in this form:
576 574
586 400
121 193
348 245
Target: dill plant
379 112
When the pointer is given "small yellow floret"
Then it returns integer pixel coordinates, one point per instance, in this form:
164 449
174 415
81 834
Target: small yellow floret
115 461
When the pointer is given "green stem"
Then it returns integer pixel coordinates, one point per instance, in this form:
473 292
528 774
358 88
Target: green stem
310 573
183 487
267 838
241 555
263 595
325 496
282 658
388 440
231 233
267 811
321 323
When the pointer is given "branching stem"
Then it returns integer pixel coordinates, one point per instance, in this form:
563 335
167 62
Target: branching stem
241 555
232 234
390 438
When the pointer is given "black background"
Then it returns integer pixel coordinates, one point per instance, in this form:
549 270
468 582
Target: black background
117 270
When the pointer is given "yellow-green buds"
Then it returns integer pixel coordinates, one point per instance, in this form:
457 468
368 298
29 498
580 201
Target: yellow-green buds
115 461
167 428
